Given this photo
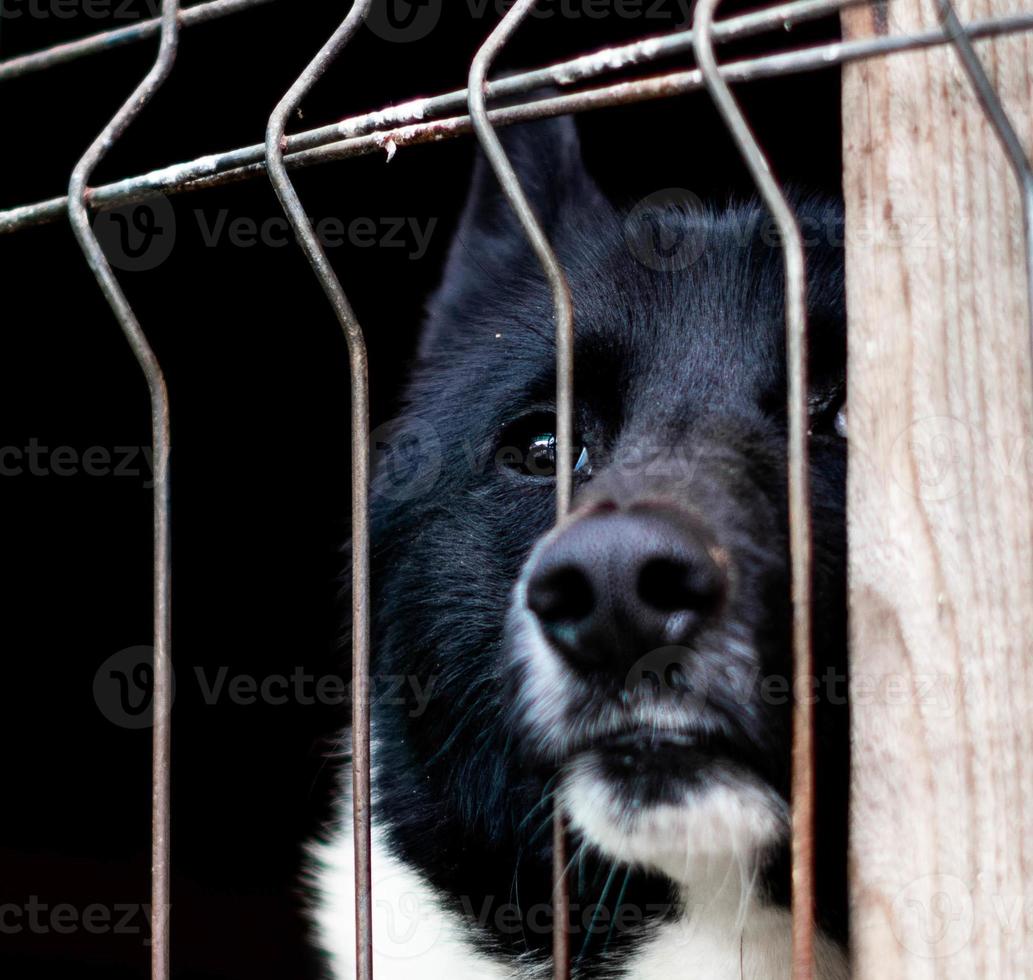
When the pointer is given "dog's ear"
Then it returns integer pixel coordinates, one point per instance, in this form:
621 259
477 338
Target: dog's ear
489 243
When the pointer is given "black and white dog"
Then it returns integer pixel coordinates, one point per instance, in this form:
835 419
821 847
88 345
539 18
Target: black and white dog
632 664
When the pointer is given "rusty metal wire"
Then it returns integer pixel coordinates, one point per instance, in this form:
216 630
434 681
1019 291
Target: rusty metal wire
998 118
799 487
562 307
247 162
160 434
563 313
561 74
358 370
60 54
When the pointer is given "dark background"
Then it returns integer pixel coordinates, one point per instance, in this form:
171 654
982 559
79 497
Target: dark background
257 373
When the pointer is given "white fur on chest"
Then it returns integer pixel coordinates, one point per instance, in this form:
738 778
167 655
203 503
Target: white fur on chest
701 945
416 939
413 936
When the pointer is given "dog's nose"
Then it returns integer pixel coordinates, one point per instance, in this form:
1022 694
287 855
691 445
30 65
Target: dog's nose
617 585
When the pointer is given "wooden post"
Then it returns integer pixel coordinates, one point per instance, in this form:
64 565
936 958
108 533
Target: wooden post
941 510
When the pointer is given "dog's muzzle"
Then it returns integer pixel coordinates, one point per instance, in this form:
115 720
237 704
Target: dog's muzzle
615 585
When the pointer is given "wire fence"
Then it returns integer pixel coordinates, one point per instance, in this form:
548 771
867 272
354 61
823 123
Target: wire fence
442 117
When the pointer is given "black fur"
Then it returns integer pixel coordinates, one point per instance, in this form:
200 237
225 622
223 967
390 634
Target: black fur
691 360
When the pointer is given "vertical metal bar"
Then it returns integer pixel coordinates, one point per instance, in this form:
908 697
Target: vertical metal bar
799 491
78 193
563 312
998 117
562 307
275 144
560 897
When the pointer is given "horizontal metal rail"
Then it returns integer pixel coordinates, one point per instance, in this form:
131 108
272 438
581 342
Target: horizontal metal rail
60 54
231 166
565 73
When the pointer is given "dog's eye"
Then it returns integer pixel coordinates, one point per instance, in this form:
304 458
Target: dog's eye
829 416
528 446
839 423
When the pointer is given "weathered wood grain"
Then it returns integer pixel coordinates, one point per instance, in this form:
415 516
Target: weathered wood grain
941 511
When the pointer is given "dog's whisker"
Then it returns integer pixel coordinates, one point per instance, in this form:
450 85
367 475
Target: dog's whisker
616 910
578 853
598 909
544 825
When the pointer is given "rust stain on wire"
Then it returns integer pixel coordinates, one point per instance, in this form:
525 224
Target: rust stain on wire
563 312
566 73
562 74
60 54
998 117
274 149
162 696
799 492
324 146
